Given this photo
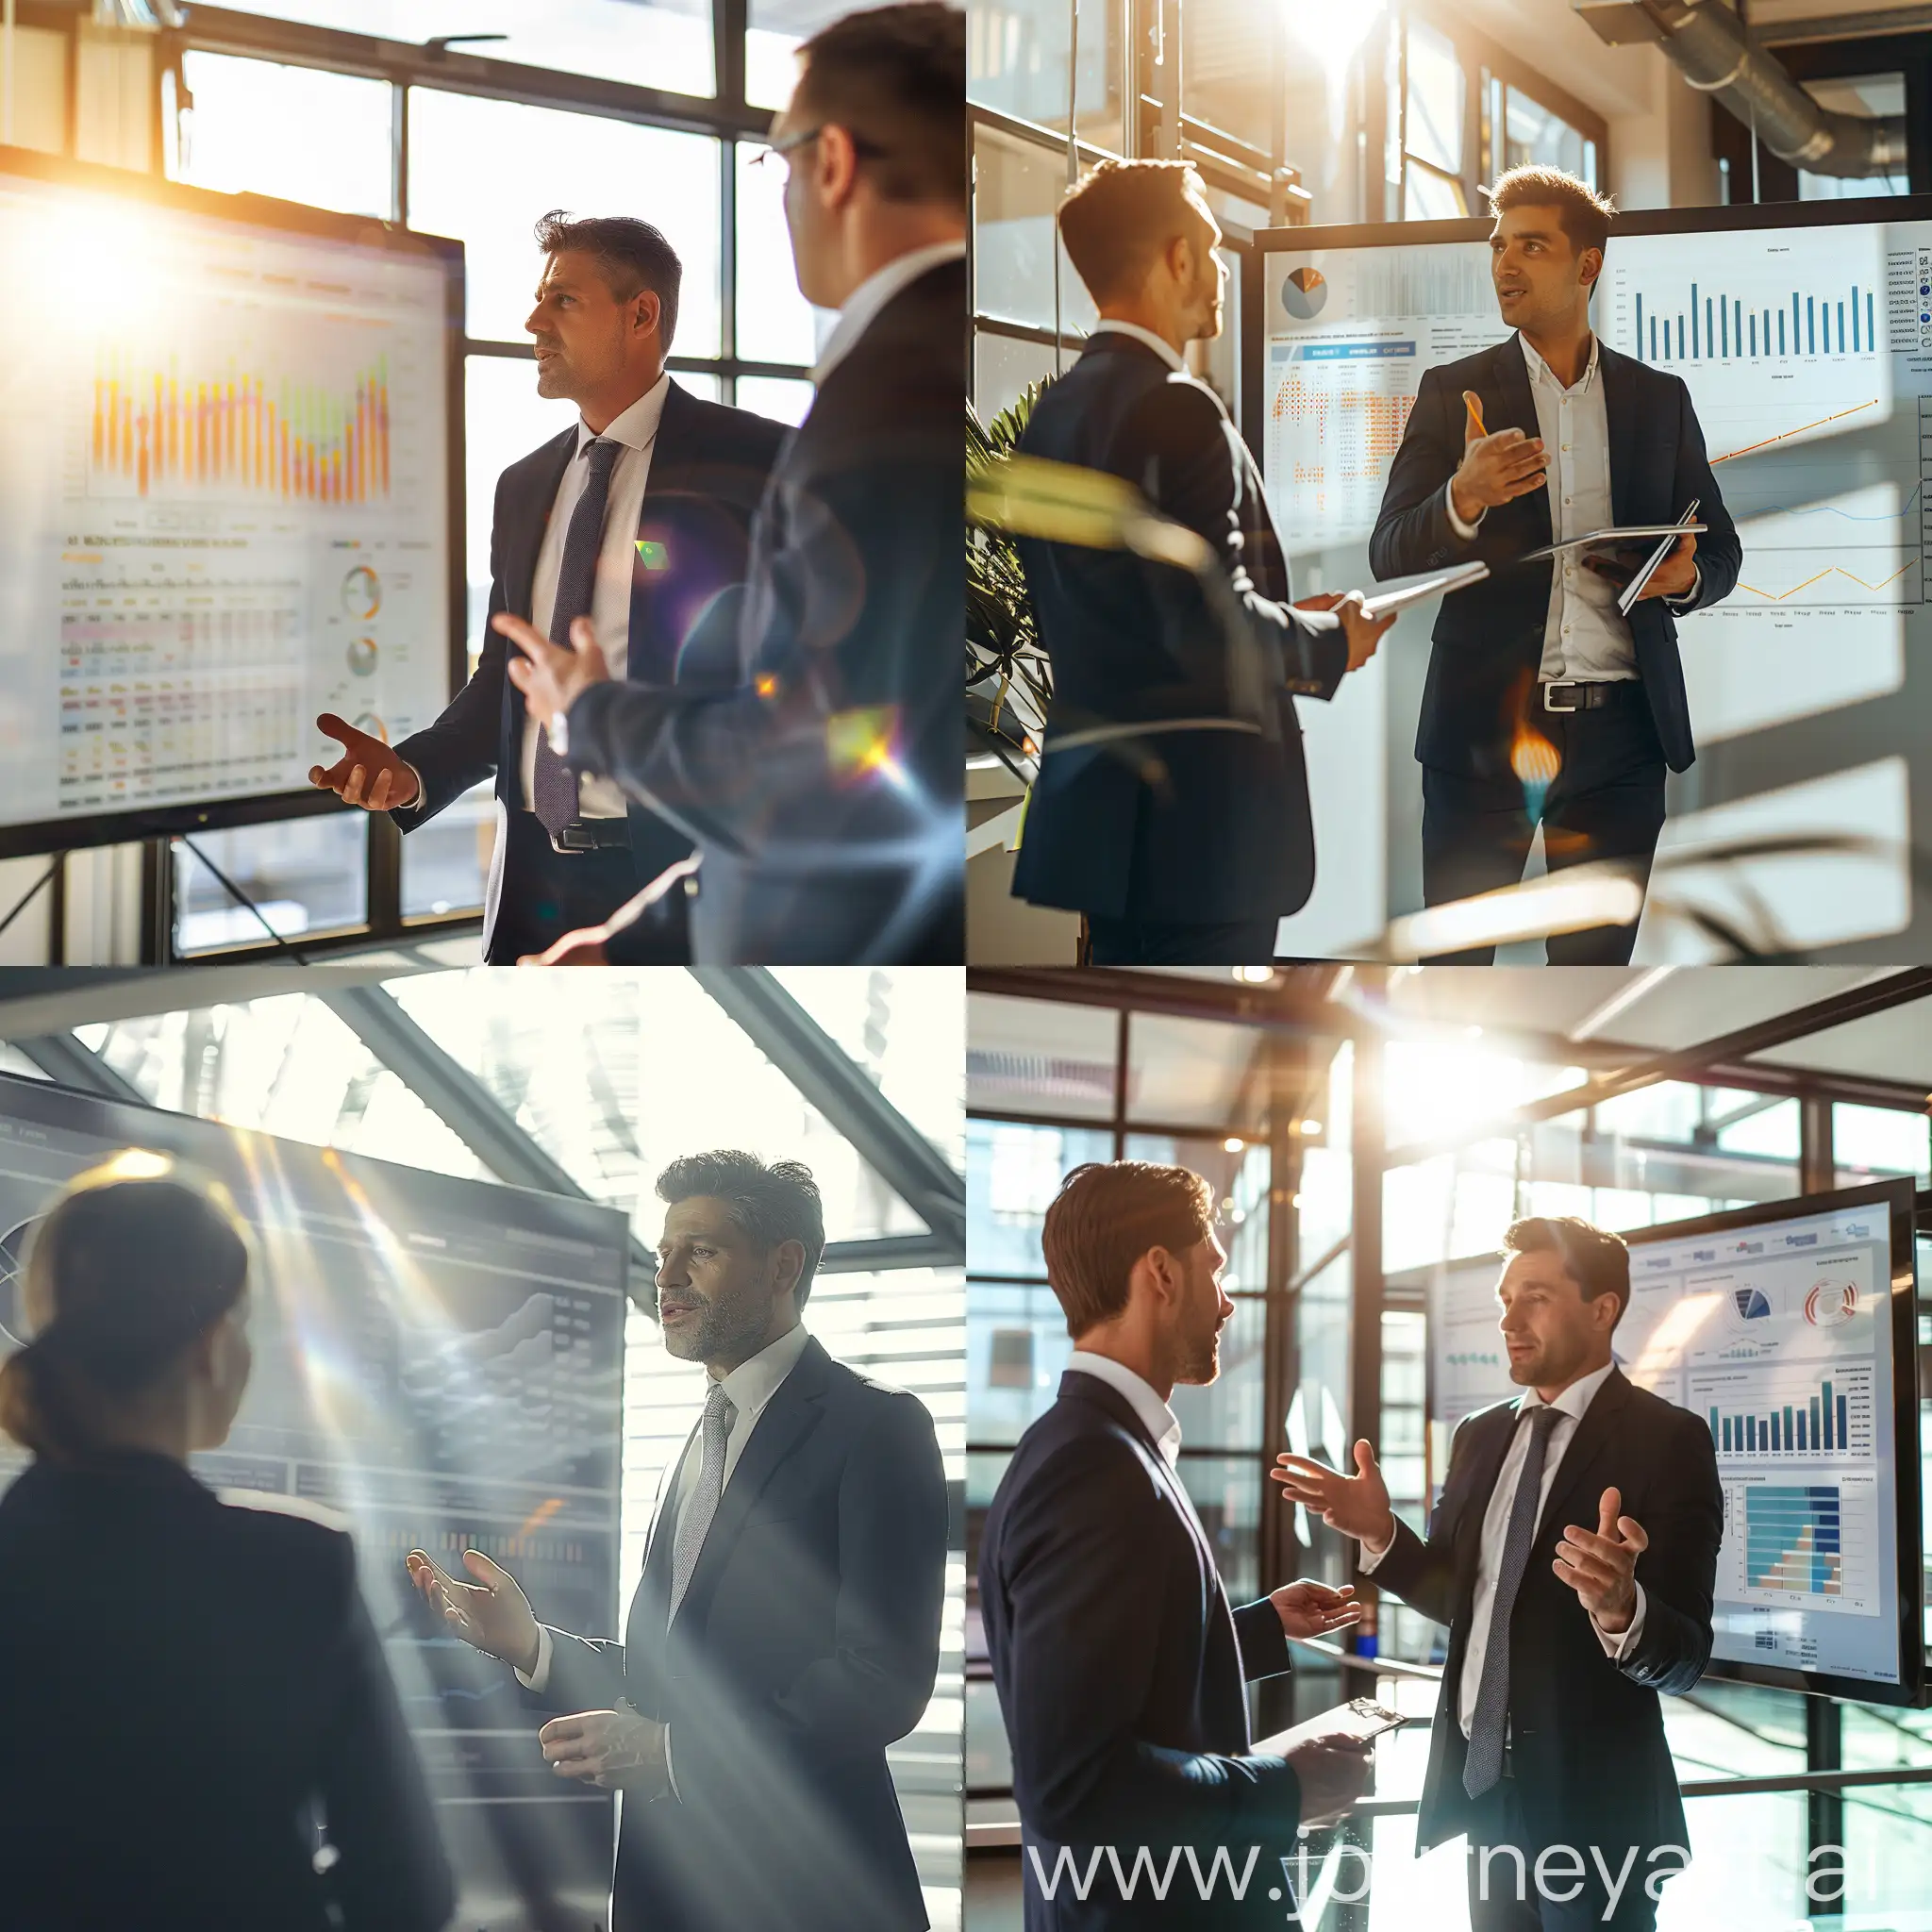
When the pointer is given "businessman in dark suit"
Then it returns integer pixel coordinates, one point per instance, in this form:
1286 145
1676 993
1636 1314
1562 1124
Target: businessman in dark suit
787 1626
1573 1556
1120 1667
1172 805
824 789
1542 701
637 516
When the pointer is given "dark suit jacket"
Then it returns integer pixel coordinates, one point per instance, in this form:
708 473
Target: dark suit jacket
1209 822
1591 1763
708 469
182 1682
1488 640
1121 1673
825 791
808 1640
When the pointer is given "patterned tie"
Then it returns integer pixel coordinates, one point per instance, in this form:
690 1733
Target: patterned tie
1483 1765
554 785
694 1519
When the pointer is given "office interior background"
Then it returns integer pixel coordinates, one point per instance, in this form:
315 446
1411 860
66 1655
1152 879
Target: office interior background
1397 111
856 1073
1363 1127
462 120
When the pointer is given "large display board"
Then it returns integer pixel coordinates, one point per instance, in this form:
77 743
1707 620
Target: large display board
1791 1332
440 1362
229 498
1804 333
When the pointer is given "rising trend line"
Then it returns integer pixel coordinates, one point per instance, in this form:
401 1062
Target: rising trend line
1823 509
1790 433
1830 569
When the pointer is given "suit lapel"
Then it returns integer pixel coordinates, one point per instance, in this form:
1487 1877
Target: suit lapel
527 530
1499 1432
1620 409
791 1414
1587 1441
1519 413
1105 1395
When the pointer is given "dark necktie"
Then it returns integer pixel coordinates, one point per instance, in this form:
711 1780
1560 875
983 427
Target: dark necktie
1483 1765
554 784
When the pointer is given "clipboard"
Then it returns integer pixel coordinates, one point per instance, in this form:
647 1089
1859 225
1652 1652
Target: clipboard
1398 593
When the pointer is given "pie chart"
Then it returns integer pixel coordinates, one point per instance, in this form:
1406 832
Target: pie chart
1303 292
362 656
362 592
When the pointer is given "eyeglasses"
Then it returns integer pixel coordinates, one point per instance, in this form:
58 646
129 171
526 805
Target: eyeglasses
778 149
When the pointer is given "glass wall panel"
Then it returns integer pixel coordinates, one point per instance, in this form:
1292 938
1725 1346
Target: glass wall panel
776 323
1012 1173
294 132
486 171
304 875
1040 1057
1868 1142
1016 61
1017 187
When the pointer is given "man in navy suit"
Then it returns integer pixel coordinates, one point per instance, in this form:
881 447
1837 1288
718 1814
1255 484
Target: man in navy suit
636 517
1573 1556
1120 1667
1172 805
1543 701
785 1629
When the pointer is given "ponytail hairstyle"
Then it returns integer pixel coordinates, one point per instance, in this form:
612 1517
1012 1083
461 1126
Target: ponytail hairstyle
138 1259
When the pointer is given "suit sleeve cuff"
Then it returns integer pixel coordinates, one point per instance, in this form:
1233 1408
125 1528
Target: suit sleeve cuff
1618 1645
1689 596
538 1679
1367 1558
1465 531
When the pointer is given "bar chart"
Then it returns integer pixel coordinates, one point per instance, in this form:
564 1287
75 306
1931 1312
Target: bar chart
1809 1413
1712 326
1794 1539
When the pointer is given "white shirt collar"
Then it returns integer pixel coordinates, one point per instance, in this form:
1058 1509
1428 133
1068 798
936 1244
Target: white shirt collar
1574 1399
1158 1419
864 303
1159 344
637 426
753 1383
1541 371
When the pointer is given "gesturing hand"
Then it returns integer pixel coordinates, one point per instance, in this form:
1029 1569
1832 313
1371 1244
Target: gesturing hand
1308 1608
1494 468
368 774
549 677
1356 1505
1362 632
1601 1566
491 1614
616 1749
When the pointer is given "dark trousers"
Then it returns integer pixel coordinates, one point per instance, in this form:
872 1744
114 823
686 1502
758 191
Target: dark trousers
1607 801
1497 1827
1170 943
547 894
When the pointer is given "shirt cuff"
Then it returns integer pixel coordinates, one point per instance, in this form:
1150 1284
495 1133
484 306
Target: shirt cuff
669 1769
538 1679
1465 531
1618 1642
1368 1559
422 790
1689 596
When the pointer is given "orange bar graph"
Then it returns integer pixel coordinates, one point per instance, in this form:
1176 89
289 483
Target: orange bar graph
156 431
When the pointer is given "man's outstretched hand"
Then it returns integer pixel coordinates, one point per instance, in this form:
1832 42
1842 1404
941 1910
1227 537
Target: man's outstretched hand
368 774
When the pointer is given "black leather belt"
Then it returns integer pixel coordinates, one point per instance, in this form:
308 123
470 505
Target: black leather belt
592 835
1573 696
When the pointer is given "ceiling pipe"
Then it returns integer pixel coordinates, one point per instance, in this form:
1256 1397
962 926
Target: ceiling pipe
1718 55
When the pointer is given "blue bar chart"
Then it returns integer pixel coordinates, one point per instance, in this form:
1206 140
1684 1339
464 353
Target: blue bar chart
1724 327
1794 1539
1812 1414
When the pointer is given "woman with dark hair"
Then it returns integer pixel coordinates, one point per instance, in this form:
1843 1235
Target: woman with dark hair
197 1728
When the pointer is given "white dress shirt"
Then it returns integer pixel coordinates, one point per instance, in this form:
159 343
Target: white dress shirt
1586 637
872 295
1160 1419
1159 344
1570 1407
750 1387
637 430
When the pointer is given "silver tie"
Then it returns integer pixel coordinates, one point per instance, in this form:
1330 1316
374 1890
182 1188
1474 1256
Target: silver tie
694 1519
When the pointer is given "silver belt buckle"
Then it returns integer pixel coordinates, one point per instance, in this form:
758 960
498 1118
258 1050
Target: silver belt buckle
1555 685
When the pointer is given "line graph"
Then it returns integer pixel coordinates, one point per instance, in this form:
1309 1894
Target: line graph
1786 436
1837 570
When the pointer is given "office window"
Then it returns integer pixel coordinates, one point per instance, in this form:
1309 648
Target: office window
782 398
772 30
657 43
1232 69
1875 94
1016 62
1534 133
1003 366
1433 108
297 133
304 874
1873 1143
776 323
1017 188
503 420
485 171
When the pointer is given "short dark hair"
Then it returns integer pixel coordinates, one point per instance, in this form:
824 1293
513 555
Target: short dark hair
772 1203
126 1271
1595 1259
1583 213
1122 216
896 76
631 255
1105 1216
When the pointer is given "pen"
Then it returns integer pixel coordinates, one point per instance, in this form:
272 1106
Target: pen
1474 404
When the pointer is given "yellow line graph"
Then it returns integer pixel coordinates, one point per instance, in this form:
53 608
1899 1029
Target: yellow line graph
1830 569
1786 435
